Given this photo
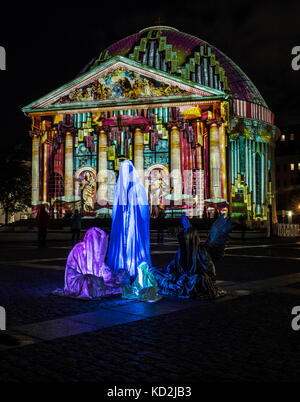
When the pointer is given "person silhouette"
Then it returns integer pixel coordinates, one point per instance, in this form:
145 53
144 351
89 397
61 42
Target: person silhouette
75 226
42 224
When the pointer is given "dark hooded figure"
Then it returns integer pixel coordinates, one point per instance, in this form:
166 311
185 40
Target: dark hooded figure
192 272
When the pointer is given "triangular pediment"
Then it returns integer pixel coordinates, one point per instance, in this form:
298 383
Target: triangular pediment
121 80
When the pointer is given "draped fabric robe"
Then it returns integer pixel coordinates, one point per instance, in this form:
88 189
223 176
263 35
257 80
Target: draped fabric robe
192 272
144 288
86 275
129 244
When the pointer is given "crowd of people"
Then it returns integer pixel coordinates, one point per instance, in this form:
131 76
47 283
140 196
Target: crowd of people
157 215
43 221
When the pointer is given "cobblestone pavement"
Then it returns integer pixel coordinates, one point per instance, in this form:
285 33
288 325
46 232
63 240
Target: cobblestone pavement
245 338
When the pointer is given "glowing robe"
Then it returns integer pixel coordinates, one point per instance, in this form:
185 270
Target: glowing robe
86 275
129 243
144 288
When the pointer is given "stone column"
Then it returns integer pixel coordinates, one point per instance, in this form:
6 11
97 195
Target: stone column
102 169
199 142
250 173
138 156
69 165
253 176
176 179
214 165
35 194
229 172
45 172
223 160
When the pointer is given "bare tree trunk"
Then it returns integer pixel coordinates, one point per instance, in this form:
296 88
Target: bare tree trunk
6 216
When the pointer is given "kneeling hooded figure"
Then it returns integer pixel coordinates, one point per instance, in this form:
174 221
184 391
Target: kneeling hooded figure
86 275
144 288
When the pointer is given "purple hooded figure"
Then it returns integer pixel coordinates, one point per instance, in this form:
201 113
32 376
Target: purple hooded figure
86 275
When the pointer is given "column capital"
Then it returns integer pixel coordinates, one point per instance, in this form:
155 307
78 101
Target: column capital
174 124
34 133
102 129
217 122
140 126
48 141
69 132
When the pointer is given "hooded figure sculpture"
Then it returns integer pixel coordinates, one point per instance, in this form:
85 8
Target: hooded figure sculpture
129 244
86 274
144 288
192 272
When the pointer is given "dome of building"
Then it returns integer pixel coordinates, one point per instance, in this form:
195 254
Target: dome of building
166 48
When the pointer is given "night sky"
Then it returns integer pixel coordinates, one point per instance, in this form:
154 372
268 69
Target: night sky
47 47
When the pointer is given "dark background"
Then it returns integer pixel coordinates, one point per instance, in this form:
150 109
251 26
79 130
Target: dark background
47 45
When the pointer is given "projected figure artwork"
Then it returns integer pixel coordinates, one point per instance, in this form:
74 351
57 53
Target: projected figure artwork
87 187
129 244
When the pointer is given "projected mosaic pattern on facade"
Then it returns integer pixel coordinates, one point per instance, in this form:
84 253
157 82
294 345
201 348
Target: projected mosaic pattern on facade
170 103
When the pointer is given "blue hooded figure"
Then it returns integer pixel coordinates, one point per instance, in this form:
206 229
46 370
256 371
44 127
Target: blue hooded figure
129 244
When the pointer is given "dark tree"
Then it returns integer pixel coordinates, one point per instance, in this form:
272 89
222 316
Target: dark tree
15 180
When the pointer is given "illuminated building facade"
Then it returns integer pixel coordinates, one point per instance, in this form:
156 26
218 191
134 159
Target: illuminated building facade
288 176
196 128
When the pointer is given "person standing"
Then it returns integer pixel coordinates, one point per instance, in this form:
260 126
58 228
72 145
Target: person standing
216 214
75 226
160 225
205 215
42 224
